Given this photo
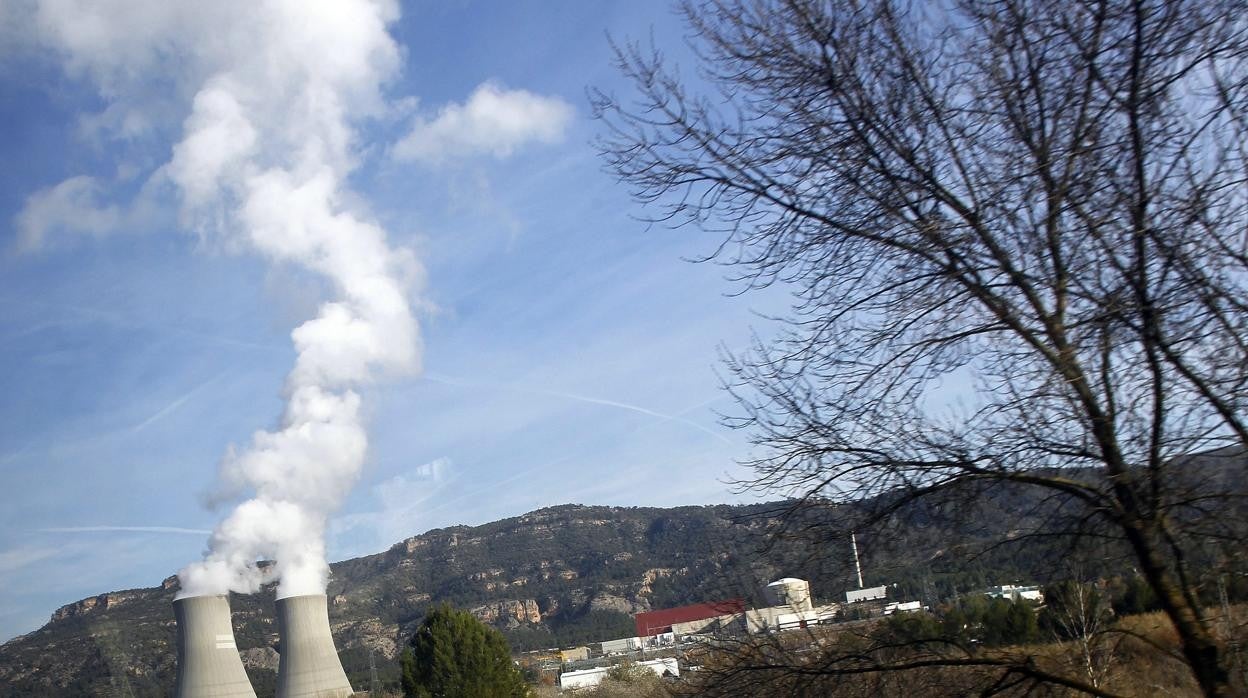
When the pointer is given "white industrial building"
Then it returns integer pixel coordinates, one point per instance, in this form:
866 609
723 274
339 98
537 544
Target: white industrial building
586 678
1012 591
902 607
868 594
777 618
791 608
621 646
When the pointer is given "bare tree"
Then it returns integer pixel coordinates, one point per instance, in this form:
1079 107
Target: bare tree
1080 615
1037 205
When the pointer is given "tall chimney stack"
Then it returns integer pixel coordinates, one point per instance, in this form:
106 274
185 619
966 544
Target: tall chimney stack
309 664
208 661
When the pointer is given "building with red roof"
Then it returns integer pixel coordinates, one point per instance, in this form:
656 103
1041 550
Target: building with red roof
653 623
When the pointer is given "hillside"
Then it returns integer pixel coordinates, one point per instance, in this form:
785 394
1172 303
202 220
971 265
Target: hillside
572 574
561 575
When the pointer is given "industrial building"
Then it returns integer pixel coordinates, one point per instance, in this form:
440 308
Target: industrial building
687 620
586 678
902 607
621 646
1014 592
575 654
868 594
791 607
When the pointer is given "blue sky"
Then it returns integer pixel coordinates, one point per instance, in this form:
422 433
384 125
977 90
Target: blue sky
569 353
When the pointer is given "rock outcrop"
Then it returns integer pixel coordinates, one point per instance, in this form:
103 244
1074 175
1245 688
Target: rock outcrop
510 612
93 604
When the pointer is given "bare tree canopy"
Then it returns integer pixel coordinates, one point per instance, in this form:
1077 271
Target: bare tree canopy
1035 205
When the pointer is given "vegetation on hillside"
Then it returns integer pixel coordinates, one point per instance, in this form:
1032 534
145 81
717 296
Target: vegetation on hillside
647 557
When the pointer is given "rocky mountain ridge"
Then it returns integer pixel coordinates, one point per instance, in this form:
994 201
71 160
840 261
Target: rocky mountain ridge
561 575
574 574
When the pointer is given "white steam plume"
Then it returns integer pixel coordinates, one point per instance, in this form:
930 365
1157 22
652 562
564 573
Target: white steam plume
267 152
276 90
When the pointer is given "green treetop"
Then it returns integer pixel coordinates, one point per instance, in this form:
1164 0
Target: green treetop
454 655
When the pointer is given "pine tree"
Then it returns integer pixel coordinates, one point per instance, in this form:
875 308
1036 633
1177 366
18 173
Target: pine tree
454 655
1020 623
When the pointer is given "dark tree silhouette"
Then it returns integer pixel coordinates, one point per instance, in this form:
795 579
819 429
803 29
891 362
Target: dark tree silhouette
454 655
1036 205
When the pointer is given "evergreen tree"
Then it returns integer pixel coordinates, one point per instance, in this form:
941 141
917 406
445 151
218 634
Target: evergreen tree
454 655
995 622
1137 597
1021 626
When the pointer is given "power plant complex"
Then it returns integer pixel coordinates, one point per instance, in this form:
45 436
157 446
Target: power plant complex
209 665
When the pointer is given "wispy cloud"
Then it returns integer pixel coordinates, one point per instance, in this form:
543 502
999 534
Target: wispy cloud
674 418
17 558
79 206
401 498
72 206
87 314
126 529
494 121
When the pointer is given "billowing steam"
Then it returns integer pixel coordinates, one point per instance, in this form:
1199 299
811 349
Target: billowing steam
266 152
276 91
271 97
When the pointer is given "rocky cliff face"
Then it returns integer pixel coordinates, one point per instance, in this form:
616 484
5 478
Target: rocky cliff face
94 603
509 613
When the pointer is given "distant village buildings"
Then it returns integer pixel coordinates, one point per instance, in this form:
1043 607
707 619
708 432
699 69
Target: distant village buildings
790 606
586 678
1013 592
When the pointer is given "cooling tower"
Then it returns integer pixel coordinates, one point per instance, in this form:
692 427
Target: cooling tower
208 661
309 666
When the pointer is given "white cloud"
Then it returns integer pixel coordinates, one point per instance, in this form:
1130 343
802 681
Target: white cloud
17 558
81 206
401 499
73 206
494 121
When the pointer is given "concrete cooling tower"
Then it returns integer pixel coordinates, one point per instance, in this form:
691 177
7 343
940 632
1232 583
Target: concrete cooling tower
208 661
309 667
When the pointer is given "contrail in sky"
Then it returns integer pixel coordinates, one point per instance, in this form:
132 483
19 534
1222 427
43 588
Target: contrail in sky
119 320
125 529
638 409
172 406
586 399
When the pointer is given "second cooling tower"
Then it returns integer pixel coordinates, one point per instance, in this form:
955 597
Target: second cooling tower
309 666
208 661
